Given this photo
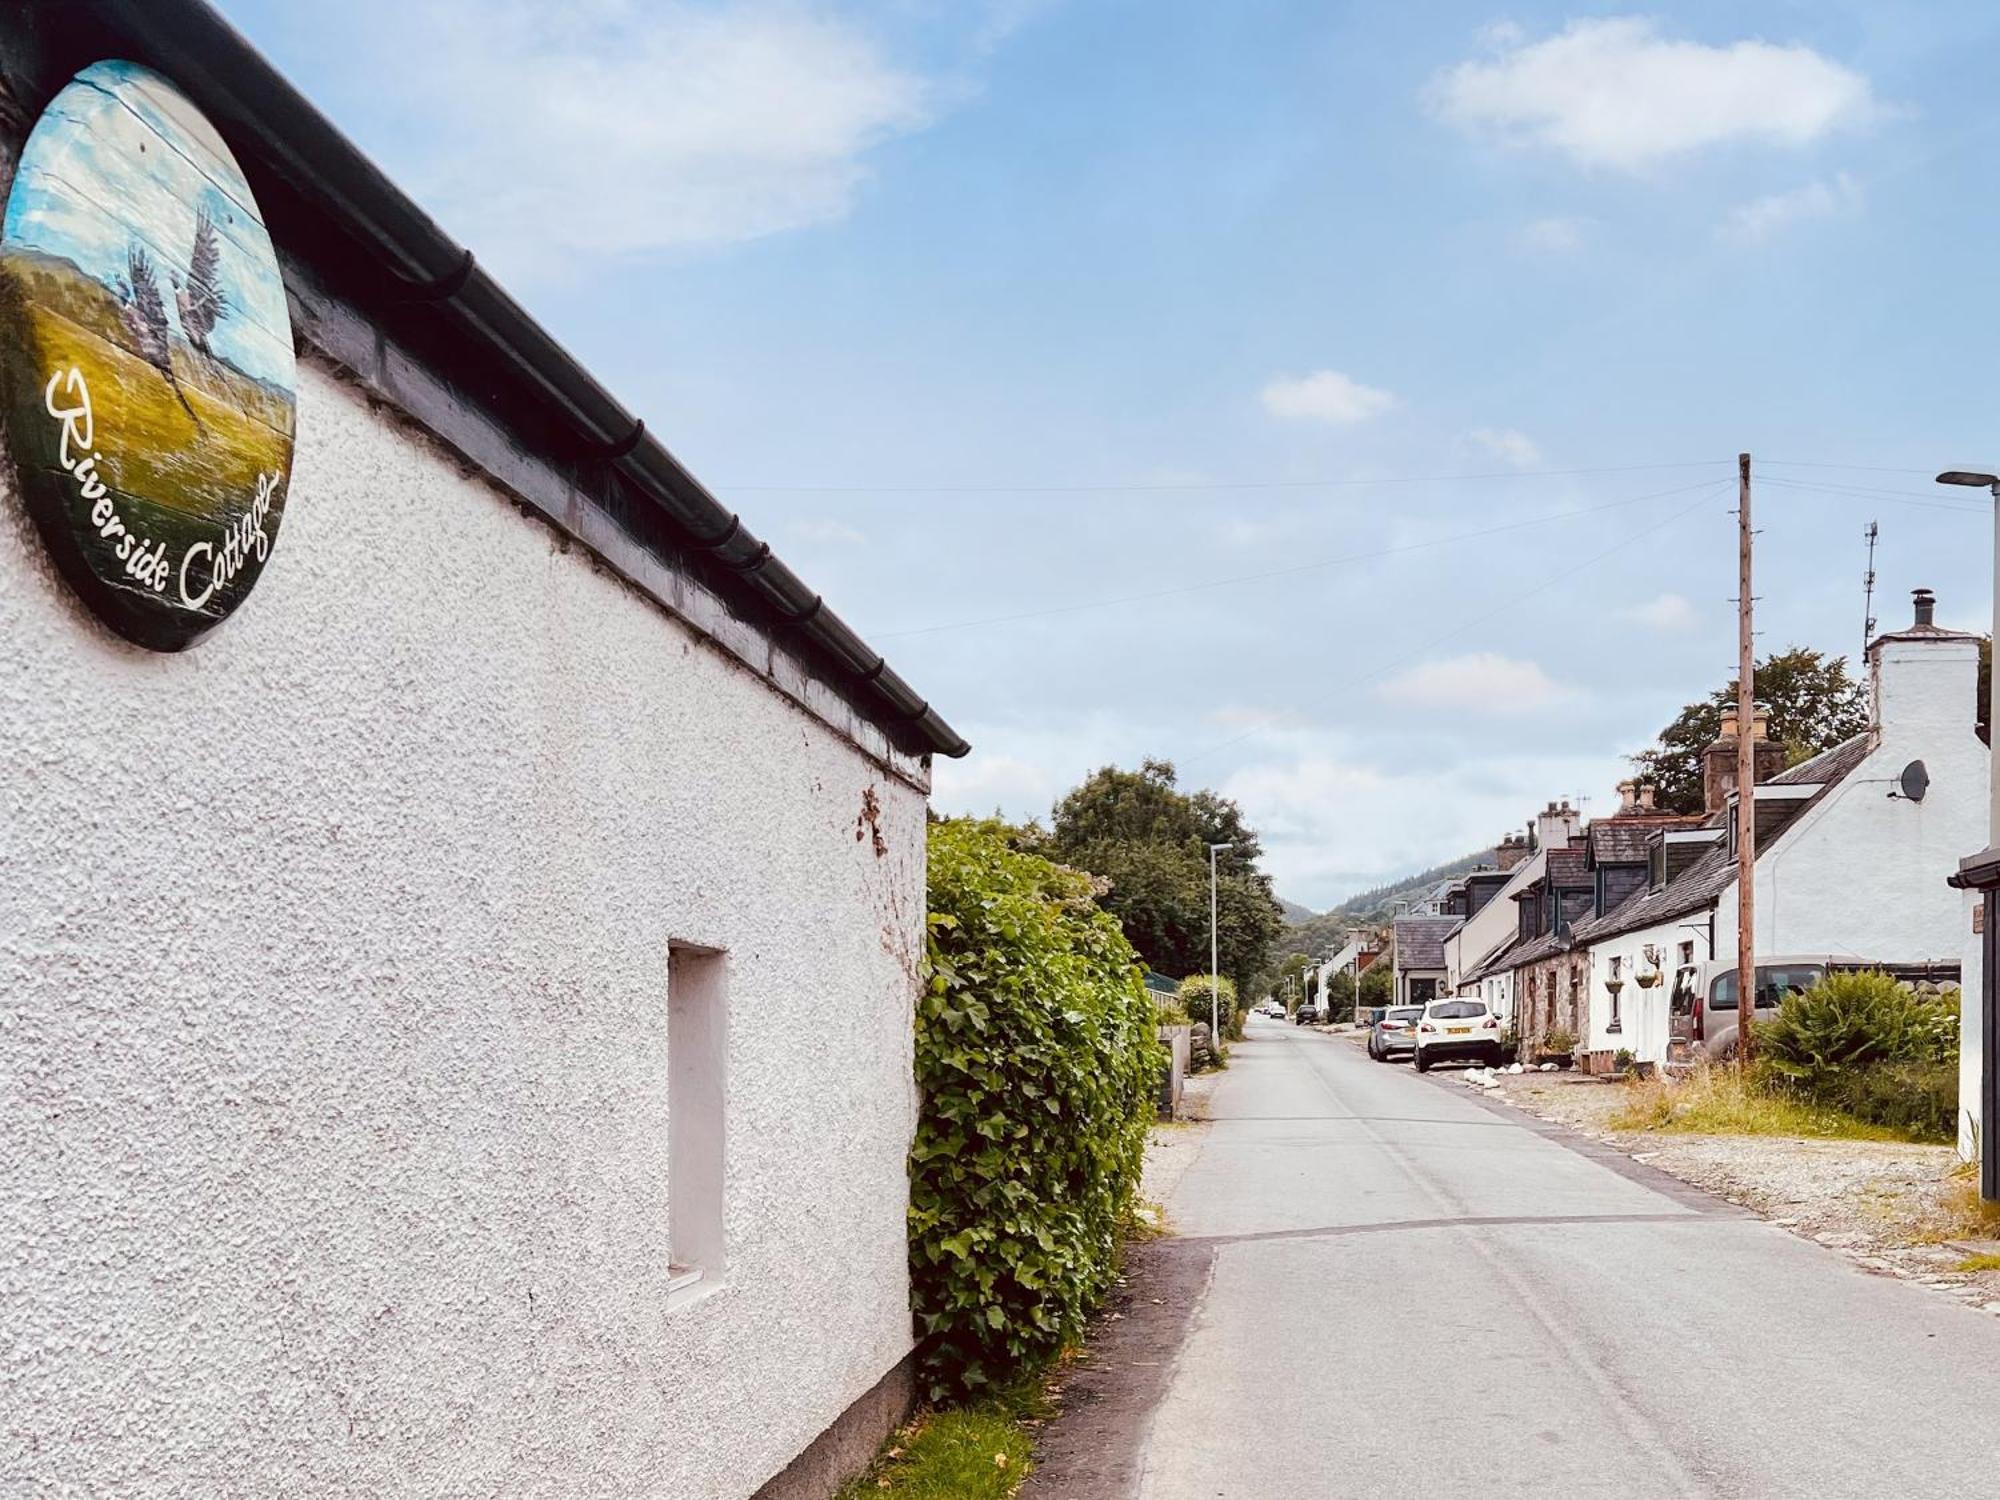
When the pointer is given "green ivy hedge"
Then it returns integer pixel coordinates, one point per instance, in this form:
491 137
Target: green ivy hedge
1038 1060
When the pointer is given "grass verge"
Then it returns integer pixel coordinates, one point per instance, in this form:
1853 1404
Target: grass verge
1719 1102
977 1452
1961 1215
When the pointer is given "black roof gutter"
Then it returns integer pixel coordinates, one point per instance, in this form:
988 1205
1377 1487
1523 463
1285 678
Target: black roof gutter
267 120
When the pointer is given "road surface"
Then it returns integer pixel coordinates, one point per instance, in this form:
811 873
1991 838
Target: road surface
1394 1288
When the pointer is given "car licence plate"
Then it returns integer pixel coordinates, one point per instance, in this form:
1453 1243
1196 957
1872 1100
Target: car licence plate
1456 1030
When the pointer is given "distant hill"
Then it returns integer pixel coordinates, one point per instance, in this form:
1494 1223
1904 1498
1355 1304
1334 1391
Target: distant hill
1325 931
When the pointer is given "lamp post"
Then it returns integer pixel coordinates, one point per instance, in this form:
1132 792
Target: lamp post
1214 978
1981 872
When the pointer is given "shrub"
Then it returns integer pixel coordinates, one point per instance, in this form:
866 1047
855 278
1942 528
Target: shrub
1378 986
1561 1039
1340 997
1866 1044
1919 1099
1850 1021
1037 1059
1195 998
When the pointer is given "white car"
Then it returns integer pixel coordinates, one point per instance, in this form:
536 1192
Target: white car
1458 1028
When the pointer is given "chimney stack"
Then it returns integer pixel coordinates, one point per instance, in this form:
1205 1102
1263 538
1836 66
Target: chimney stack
1510 851
1924 679
1718 761
1556 826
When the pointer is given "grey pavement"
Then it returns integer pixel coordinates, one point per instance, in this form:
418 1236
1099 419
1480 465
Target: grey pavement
1408 1291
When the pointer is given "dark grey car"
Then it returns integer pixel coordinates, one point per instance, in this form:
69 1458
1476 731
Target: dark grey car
1395 1035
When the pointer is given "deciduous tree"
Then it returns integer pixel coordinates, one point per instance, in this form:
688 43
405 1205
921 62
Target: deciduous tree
1141 832
1813 704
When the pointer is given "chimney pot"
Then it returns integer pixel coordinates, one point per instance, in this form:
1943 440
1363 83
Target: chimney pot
1728 724
1926 604
1646 794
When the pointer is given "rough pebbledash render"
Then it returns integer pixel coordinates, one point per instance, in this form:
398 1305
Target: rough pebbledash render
335 1081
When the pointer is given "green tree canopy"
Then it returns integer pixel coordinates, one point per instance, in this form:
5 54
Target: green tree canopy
1813 704
1378 985
1149 839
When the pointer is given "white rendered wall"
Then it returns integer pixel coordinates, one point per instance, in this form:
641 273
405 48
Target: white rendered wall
333 1076
1642 1012
1863 873
1498 918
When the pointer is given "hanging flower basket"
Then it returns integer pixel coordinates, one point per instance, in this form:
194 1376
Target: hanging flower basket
1649 981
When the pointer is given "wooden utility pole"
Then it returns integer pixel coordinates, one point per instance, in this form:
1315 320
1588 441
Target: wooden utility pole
1746 778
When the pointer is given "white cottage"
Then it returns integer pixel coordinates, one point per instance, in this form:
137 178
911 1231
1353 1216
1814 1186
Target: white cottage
457 1028
1854 848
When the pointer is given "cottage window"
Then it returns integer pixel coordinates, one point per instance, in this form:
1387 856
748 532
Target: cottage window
697 1094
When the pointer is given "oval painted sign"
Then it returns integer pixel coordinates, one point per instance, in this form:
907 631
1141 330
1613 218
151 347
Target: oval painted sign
150 380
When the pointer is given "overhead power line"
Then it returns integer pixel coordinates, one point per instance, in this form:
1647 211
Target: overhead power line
1195 485
1710 489
1206 585
1869 492
1202 486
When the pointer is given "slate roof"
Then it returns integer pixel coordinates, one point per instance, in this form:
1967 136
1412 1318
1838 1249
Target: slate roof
1622 840
1828 766
1568 864
1708 877
1420 941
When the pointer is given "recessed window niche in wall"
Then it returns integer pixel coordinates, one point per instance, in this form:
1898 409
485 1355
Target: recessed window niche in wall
697 1113
147 354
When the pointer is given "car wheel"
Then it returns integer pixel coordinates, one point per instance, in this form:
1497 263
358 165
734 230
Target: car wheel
1423 1063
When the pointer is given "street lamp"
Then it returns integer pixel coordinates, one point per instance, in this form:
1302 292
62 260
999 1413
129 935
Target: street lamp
1981 872
1214 978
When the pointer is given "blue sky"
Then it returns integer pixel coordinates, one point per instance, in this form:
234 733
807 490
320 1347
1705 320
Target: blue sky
87 151
1224 293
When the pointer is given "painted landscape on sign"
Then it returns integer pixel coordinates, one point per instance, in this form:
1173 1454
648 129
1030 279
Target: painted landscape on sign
150 368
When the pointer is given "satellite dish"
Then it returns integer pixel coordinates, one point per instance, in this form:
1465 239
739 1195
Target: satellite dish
1914 781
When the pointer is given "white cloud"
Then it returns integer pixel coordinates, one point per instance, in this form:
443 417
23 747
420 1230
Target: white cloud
1614 92
838 533
1481 683
1556 235
983 784
1325 396
1507 445
1755 222
1667 612
1331 826
557 136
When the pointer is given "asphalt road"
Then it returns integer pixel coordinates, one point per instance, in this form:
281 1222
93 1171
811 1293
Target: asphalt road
1408 1291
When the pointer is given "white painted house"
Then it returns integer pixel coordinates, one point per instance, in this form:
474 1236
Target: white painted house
457 1017
1849 866
1472 950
